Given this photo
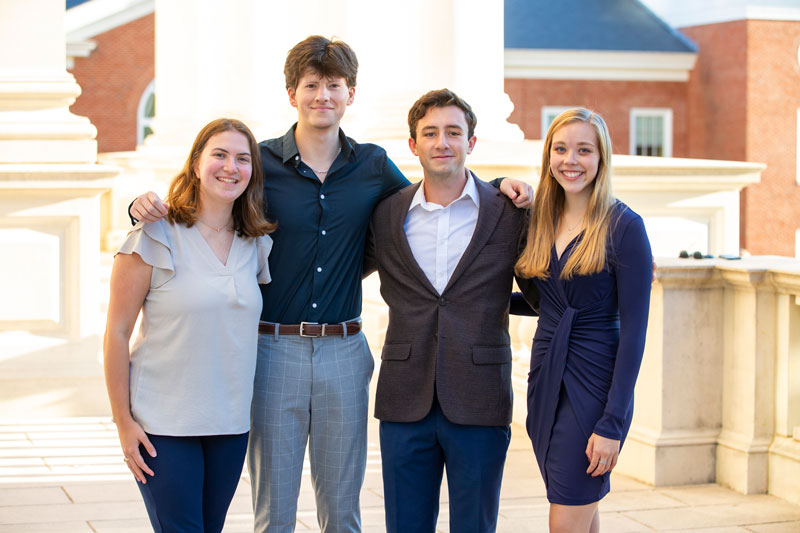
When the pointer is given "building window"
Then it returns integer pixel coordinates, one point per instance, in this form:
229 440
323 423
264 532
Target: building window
146 112
549 114
651 132
797 244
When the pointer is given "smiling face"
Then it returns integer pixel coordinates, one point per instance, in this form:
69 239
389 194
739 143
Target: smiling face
575 158
442 142
321 102
224 167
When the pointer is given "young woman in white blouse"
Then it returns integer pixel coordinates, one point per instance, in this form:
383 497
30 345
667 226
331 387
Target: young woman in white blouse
181 396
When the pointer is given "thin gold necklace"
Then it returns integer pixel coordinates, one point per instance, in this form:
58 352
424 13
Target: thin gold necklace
226 226
573 228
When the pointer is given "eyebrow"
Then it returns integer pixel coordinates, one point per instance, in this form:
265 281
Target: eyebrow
224 150
581 143
447 127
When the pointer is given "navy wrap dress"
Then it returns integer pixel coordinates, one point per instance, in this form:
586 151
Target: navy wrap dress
586 354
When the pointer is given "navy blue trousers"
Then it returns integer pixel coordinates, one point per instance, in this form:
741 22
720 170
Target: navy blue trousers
194 482
414 455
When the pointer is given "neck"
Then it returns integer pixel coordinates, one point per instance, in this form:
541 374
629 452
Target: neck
575 206
216 216
443 190
315 143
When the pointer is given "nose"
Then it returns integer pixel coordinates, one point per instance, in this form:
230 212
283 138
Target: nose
441 141
571 156
322 93
230 165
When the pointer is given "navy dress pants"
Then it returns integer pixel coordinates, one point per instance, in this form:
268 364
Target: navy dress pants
414 455
194 482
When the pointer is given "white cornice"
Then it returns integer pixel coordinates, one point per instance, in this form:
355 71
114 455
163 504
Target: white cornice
98 16
686 14
598 65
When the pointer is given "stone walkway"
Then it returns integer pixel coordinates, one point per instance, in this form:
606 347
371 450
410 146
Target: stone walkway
66 475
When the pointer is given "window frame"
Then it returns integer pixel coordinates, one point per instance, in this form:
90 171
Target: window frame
665 114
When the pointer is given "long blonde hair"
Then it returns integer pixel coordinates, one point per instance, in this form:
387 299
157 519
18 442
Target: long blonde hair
589 256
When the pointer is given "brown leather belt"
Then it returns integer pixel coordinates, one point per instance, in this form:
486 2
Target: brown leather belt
309 329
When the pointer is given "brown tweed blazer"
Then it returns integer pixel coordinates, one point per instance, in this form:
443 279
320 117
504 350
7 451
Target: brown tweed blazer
458 341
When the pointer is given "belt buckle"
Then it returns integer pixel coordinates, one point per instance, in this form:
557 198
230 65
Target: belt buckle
304 324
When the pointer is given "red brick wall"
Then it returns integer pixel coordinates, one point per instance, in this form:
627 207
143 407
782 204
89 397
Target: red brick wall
112 80
744 96
612 99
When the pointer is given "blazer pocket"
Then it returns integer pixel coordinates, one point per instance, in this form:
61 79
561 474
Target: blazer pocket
396 352
491 355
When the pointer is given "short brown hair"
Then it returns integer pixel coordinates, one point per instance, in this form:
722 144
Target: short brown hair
330 58
248 209
440 98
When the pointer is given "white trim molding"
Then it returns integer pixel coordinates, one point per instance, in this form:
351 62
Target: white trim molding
92 18
797 147
142 120
598 65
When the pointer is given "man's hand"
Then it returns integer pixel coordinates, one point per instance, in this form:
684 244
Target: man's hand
148 207
517 191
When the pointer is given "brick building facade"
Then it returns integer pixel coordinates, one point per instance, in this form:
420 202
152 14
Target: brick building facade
113 79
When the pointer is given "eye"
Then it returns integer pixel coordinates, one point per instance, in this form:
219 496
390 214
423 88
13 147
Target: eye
218 155
559 149
585 150
454 133
244 160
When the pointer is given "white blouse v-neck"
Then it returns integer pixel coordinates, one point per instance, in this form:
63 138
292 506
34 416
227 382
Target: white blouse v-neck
193 362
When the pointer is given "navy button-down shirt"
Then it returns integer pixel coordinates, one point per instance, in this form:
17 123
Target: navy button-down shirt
318 249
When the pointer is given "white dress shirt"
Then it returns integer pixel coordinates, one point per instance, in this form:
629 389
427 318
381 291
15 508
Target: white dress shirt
439 235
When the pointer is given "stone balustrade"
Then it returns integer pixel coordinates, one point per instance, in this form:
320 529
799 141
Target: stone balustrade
718 395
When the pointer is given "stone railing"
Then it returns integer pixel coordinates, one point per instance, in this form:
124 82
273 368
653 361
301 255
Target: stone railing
718 395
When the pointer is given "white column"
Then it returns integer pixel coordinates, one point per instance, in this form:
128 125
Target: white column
36 90
50 205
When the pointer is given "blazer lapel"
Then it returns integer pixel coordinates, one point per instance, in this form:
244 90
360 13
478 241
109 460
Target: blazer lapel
399 212
491 208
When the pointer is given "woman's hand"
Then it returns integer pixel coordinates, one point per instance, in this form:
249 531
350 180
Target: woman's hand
131 435
602 454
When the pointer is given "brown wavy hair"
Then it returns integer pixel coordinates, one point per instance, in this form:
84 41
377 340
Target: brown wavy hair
440 98
248 209
589 256
329 58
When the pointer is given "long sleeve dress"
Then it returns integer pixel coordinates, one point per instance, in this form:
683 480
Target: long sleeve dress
586 355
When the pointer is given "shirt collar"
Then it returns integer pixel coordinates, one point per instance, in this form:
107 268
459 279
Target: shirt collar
290 150
470 191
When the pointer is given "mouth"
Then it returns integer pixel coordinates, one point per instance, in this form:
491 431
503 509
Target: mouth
230 181
572 174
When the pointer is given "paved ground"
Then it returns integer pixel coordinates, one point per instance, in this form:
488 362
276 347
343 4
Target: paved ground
67 475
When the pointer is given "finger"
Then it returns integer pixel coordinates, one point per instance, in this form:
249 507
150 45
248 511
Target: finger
148 446
139 462
135 470
594 464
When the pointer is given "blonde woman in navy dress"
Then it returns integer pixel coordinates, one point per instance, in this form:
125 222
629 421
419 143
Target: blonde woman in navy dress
587 265
181 397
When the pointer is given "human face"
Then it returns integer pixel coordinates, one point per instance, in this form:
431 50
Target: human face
321 102
575 158
224 168
442 144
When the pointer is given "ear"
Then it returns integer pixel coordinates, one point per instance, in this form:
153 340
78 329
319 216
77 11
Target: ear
471 144
351 92
292 96
413 145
